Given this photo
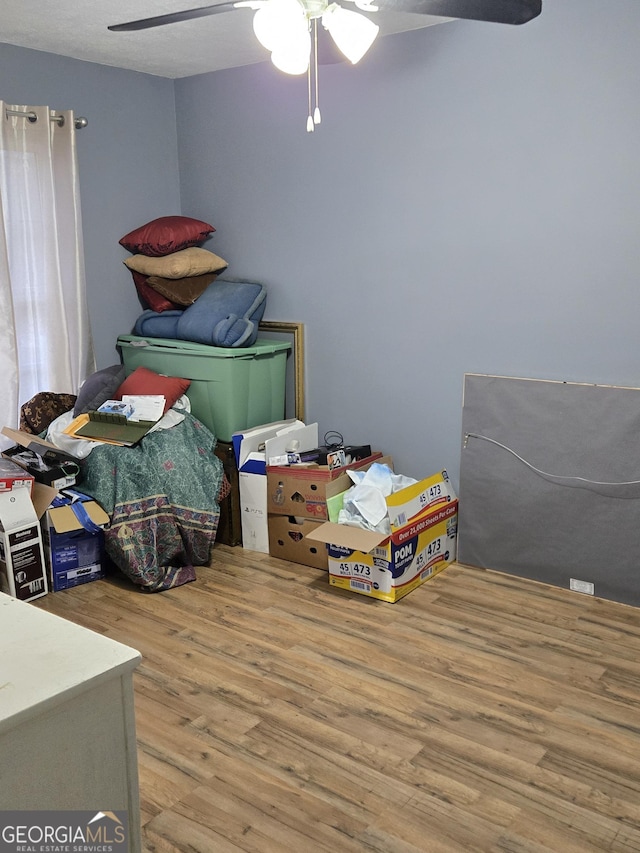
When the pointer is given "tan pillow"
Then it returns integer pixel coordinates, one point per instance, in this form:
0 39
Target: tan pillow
186 262
182 291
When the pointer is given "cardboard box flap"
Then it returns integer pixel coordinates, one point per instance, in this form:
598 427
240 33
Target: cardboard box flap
41 497
248 441
346 536
314 471
358 539
36 444
254 461
16 509
421 498
64 519
306 438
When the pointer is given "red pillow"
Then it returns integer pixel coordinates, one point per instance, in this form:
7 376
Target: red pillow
145 381
166 235
150 297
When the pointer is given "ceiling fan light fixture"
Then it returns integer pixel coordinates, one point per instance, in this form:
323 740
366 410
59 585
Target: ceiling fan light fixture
285 27
282 27
353 33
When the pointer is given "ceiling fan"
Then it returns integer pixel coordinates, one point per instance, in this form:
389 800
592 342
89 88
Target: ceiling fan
289 28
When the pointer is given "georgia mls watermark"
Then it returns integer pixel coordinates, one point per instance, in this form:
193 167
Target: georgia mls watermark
64 832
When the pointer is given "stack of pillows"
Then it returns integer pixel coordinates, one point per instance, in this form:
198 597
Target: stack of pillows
170 269
176 278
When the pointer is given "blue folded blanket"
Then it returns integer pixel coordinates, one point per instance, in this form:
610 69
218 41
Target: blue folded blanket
225 315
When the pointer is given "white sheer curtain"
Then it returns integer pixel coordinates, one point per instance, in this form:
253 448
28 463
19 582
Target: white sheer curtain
45 338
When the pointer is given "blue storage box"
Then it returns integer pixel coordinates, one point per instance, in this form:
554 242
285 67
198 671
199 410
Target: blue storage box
74 554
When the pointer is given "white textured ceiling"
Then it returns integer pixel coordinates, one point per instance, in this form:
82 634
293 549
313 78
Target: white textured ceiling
78 29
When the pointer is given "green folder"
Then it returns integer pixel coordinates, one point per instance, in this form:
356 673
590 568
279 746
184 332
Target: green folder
112 427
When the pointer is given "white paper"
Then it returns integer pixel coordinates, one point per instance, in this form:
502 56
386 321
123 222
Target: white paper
146 407
364 503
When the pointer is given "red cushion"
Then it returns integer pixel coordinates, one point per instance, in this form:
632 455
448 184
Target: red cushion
145 381
166 235
150 297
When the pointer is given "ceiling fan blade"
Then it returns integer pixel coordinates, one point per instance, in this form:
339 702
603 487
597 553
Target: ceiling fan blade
172 18
496 11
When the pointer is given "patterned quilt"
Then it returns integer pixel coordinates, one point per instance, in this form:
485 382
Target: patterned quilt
162 497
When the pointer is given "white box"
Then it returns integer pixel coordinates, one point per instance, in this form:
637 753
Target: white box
252 447
22 568
253 511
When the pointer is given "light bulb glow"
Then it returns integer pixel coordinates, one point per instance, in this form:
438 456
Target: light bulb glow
282 27
293 58
277 21
265 27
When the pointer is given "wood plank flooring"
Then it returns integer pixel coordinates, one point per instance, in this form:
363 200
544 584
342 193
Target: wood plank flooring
274 713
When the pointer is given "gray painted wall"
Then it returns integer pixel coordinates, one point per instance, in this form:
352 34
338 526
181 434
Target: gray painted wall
128 166
470 203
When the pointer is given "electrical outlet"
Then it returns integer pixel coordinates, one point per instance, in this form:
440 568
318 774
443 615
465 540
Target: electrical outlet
581 586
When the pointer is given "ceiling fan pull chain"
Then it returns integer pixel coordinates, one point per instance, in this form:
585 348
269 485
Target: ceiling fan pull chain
316 113
310 125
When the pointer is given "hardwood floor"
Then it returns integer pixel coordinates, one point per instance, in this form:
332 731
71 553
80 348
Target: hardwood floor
274 713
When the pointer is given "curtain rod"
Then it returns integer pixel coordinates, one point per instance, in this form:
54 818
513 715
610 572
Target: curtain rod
79 122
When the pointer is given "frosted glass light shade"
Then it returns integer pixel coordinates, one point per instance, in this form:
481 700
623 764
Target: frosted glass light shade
278 21
265 27
282 27
293 58
353 33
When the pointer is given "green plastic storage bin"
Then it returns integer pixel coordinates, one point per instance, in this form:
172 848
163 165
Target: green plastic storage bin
231 388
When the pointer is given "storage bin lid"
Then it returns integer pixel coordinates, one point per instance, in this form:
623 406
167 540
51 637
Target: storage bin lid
261 347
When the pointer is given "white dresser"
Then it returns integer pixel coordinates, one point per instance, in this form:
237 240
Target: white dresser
67 724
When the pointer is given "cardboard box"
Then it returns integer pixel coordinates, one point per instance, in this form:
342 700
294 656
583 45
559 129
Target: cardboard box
62 552
407 504
287 540
288 532
22 567
12 476
252 447
303 490
73 554
42 459
389 567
